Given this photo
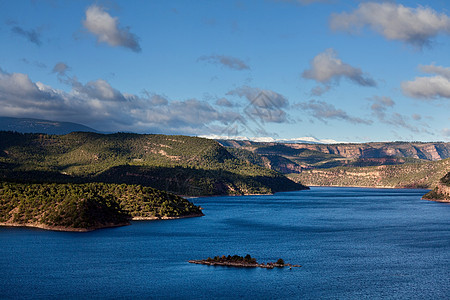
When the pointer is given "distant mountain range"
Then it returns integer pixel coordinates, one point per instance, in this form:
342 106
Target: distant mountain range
306 139
25 125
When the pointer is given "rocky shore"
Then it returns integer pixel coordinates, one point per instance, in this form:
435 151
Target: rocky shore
108 225
242 264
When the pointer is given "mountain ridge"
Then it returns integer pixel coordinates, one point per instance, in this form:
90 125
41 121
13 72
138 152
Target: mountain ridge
30 125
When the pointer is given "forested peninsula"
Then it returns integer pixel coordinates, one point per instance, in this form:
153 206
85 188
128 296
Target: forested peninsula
85 207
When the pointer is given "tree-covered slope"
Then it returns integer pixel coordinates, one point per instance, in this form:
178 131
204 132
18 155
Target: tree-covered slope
160 161
82 207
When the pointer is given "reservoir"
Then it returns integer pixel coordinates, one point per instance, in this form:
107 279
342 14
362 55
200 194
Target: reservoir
352 243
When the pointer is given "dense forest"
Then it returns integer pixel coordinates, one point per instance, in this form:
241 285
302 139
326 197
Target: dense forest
179 164
86 206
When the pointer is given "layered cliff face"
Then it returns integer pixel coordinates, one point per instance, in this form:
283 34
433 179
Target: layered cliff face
420 175
290 158
418 150
428 151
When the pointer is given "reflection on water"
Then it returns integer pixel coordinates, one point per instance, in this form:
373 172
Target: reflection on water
352 243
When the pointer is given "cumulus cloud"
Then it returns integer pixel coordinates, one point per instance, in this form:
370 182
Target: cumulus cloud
227 61
415 26
101 106
327 68
31 35
265 105
324 111
155 99
433 69
107 29
432 87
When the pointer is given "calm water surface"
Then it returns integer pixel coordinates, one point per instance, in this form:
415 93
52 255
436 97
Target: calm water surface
353 244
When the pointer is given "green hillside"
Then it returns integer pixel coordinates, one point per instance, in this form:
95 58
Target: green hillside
89 206
179 164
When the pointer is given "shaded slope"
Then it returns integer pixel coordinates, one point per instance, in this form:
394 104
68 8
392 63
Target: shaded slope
140 159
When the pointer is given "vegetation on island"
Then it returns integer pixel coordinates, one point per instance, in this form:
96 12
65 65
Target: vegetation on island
241 261
86 206
441 192
179 164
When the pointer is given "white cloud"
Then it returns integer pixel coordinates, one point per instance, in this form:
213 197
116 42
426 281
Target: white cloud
327 68
433 69
415 26
107 30
99 105
433 87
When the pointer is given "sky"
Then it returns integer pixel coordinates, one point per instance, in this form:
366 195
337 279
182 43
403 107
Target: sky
353 71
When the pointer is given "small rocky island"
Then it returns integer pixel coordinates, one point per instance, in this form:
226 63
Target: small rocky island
241 262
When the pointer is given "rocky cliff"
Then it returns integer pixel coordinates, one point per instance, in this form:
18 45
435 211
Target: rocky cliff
427 151
420 175
442 190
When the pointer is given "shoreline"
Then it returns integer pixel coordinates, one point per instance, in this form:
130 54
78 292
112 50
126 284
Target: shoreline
72 229
60 228
437 200
372 187
166 218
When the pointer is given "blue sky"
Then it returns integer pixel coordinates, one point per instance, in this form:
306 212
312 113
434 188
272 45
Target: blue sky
355 71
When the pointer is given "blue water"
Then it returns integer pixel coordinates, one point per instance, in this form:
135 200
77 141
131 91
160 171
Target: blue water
352 243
